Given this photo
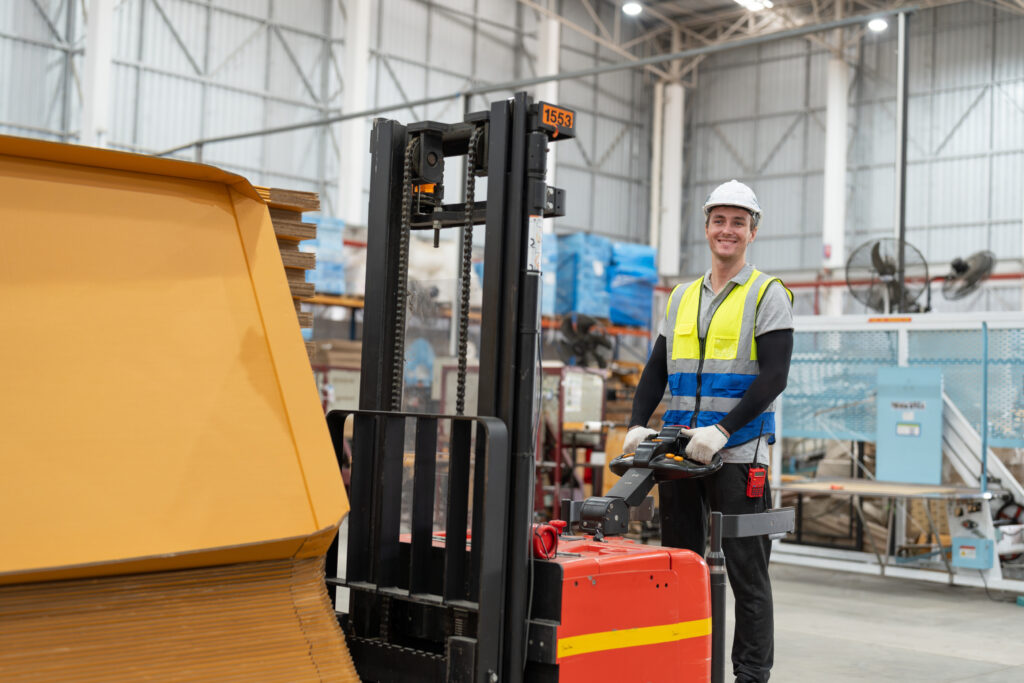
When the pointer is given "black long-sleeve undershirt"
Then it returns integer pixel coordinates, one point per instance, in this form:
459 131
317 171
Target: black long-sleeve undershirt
774 350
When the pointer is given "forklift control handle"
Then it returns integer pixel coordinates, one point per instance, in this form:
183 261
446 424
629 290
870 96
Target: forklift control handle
665 454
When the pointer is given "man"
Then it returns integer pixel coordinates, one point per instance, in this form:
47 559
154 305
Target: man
723 349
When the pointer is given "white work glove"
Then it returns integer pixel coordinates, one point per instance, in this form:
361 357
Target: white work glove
704 442
634 437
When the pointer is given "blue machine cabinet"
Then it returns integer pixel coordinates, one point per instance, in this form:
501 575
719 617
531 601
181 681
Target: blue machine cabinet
972 553
909 438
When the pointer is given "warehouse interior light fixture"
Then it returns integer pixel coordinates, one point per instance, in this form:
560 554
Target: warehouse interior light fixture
755 5
878 25
632 8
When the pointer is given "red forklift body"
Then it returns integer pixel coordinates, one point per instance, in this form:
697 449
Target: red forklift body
632 612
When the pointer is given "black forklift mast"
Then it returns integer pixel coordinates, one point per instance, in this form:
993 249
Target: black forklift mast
424 607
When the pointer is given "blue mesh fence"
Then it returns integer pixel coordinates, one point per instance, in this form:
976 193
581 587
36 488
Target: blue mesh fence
832 379
831 390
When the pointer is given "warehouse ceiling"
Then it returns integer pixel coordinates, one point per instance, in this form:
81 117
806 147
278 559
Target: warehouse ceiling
667 26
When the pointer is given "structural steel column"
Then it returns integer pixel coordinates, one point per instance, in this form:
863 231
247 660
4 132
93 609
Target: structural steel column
669 214
99 41
833 224
355 133
549 39
900 203
657 135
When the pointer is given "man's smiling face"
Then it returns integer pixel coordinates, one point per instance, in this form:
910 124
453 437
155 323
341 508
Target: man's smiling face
729 230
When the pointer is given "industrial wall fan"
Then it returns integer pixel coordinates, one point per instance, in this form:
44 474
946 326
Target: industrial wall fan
965 276
582 343
873 279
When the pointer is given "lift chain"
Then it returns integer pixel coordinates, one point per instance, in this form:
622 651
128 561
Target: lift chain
466 271
398 369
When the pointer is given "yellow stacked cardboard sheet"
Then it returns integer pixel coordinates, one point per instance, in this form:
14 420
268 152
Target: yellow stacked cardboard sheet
169 484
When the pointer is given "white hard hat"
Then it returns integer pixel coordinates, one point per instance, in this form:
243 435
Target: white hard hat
734 193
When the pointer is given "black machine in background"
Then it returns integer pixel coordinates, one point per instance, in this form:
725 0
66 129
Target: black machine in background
873 277
423 607
583 343
966 275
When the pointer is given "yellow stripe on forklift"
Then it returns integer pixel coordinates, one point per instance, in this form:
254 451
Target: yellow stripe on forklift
632 637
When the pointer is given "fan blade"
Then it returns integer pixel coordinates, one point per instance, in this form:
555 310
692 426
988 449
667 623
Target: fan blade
584 323
967 275
979 266
564 350
882 266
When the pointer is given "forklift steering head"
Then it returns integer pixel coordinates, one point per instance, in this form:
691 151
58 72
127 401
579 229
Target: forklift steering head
665 454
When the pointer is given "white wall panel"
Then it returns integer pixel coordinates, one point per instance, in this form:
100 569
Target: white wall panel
405 23
167 111
964 56
238 50
872 207
1004 240
729 151
499 12
813 213
780 144
817 81
1007 185
37 92
959 190
961 121
453 47
779 87
301 14
577 92
128 29
611 214
32 93
613 153
782 49
21 17
729 93
256 8
578 201
777 198
1008 115
1009 48
494 59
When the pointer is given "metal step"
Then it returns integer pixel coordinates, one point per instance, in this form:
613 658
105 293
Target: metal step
961 443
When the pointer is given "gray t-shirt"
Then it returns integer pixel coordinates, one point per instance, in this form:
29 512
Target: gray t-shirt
774 313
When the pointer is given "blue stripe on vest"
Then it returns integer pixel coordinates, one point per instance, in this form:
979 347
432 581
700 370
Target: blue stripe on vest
749 431
717 384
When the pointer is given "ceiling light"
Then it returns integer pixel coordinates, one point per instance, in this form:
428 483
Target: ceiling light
632 8
755 5
878 25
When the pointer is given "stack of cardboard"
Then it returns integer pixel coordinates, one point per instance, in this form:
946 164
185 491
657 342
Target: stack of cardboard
286 209
172 523
338 353
619 390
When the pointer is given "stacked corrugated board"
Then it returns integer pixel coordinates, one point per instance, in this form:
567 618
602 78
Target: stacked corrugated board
172 524
286 209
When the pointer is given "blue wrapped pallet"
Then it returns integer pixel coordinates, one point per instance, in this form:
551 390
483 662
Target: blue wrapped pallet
549 274
583 275
329 275
631 280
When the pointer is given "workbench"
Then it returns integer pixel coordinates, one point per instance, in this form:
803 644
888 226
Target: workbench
859 489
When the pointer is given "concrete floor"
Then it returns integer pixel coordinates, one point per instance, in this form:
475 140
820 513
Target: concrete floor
834 626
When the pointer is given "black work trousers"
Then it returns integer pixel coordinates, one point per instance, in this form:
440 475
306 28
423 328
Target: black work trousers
685 509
